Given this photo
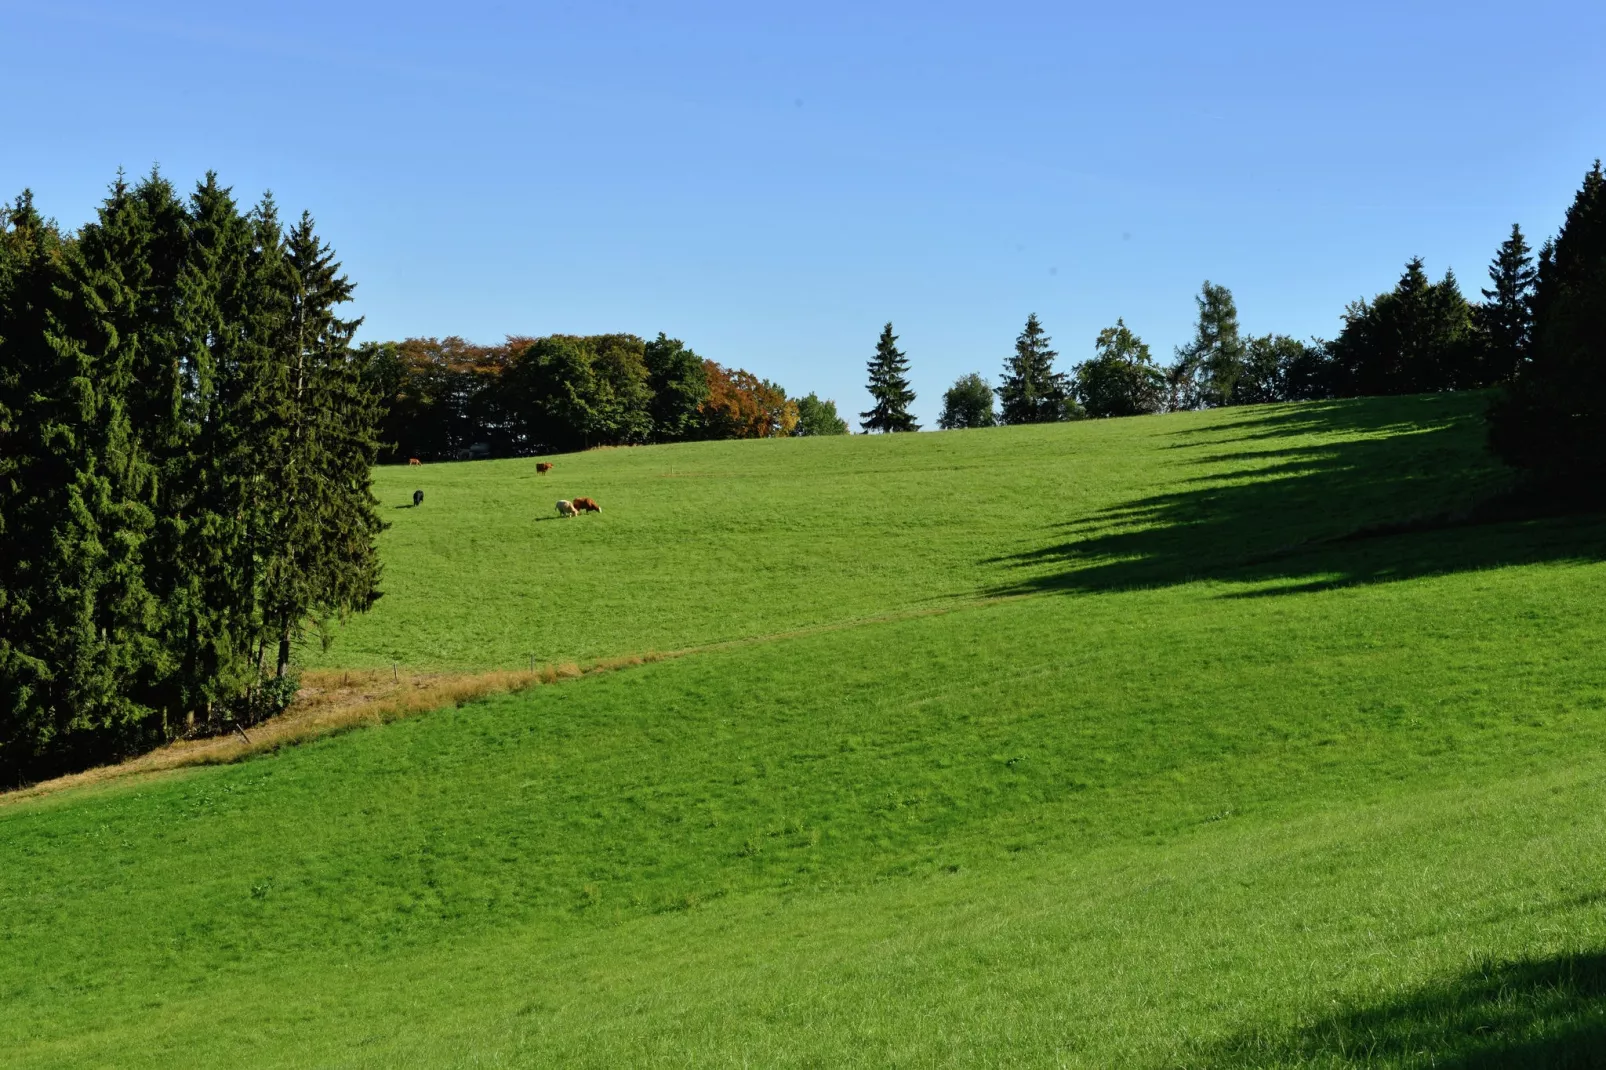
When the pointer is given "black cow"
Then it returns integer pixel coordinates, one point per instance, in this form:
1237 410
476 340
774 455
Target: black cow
418 498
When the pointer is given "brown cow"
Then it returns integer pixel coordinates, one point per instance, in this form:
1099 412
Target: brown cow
543 468
412 461
587 505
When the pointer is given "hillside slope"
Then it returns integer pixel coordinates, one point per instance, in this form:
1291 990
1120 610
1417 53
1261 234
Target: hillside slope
1132 743
725 540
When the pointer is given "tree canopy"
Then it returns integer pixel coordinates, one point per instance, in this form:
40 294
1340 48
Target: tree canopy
968 403
1121 379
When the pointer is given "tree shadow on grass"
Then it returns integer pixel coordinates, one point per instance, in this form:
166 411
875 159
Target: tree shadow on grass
1547 1013
1320 495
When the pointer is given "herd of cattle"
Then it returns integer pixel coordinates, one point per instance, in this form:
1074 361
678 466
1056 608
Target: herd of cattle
565 506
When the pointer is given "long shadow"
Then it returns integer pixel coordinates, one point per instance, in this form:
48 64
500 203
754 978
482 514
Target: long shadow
1323 495
1544 1013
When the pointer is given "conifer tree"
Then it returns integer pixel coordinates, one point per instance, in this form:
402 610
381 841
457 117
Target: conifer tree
86 619
1414 339
1031 391
1552 418
213 627
185 445
1505 319
1207 367
889 387
321 562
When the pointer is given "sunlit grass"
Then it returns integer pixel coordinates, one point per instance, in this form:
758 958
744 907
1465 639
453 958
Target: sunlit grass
1166 772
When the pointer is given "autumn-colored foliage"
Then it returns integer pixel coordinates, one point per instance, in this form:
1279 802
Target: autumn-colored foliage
741 405
449 399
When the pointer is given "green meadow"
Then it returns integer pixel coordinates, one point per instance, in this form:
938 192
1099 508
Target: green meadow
1240 738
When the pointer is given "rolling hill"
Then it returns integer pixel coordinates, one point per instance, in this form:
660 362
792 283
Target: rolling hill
1240 738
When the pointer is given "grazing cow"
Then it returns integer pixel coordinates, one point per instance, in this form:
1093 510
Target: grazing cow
418 498
412 461
587 505
566 508
543 468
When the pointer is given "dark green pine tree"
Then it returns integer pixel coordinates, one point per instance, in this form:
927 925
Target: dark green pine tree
1552 417
1031 391
213 626
1505 319
167 327
889 387
1416 338
30 257
322 562
86 622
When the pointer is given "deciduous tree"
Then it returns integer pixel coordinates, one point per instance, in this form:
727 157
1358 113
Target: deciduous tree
1122 378
968 403
816 417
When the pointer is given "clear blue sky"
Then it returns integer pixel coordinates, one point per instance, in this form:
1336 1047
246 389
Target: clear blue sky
771 183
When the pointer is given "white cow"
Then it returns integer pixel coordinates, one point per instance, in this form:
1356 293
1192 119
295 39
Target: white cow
566 508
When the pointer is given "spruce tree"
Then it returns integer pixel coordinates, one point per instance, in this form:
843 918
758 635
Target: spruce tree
213 627
185 446
1415 339
83 621
1031 391
30 257
321 562
1505 319
1552 417
889 387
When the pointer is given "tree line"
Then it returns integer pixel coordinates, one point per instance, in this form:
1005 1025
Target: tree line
447 399
186 436
1539 335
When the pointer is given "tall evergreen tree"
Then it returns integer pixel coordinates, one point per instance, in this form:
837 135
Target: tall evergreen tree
86 620
31 252
1552 417
229 295
323 563
1207 367
889 387
185 445
1031 391
1505 319
1415 339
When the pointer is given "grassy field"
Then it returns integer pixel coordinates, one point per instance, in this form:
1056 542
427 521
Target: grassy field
1205 740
